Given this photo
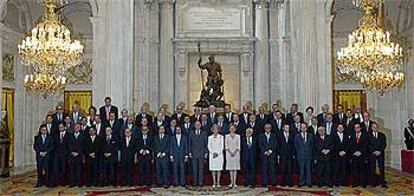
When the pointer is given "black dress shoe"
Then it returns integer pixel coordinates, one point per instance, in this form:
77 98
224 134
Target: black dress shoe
384 186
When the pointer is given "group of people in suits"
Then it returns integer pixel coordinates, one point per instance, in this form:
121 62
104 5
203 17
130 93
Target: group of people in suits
76 149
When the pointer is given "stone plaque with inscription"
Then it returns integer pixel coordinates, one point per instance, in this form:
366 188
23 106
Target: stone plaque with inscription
213 19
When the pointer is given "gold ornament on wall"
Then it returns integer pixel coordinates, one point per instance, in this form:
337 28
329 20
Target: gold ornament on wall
81 74
8 67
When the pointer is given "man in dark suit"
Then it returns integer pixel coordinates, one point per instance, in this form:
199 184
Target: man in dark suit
358 152
253 125
357 115
179 115
99 126
69 124
340 116
173 126
128 148
205 123
275 108
367 123
43 146
130 125
212 115
277 122
228 114
60 156
196 116
286 153
303 146
76 116
114 124
294 110
161 150
161 120
76 152
341 158
323 148
322 116
222 125
59 115
109 157
178 156
93 147
330 126
249 156
262 118
145 156
187 126
377 143
105 110
198 152
143 114
296 126
268 151
244 116
52 129
241 128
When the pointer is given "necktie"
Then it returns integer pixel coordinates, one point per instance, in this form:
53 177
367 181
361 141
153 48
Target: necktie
43 139
107 139
145 141
107 112
357 138
268 137
178 140
375 134
76 135
287 137
328 129
61 137
127 142
249 142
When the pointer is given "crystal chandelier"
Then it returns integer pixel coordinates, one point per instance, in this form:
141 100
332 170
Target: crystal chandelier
49 47
371 56
382 82
44 84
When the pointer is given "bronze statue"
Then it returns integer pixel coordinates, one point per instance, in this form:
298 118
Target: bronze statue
211 93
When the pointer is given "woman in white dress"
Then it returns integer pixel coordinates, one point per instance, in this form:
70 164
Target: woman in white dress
216 158
232 143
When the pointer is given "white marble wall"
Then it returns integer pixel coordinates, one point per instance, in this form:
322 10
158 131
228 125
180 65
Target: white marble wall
113 53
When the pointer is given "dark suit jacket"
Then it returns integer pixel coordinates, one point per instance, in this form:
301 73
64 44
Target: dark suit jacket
170 130
262 121
139 117
134 129
116 127
364 128
53 129
193 118
166 121
286 149
246 152
321 144
275 127
361 146
198 144
185 130
265 146
224 128
161 146
321 119
61 149
180 120
93 147
144 146
100 132
290 116
77 144
178 152
376 144
228 120
102 112
128 153
80 116
110 146
304 149
212 121
340 146
55 119
333 128
256 129
242 120
337 119
39 146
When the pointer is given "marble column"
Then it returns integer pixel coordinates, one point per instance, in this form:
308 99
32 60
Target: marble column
311 70
166 69
146 78
246 77
181 77
280 67
261 72
112 53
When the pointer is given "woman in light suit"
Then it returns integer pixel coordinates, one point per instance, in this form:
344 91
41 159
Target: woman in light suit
216 158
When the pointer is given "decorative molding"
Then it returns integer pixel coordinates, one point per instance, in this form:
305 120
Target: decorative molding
81 74
8 67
